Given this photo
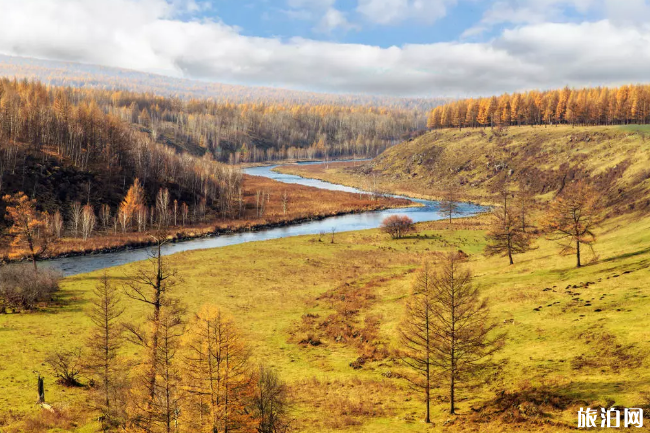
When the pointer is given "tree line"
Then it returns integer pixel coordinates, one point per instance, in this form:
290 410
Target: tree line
588 106
90 76
255 132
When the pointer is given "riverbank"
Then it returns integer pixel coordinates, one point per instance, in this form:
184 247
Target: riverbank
303 204
349 174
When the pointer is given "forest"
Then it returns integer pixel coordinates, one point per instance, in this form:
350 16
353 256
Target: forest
623 105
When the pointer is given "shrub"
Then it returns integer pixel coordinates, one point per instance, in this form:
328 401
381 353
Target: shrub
66 365
397 225
21 288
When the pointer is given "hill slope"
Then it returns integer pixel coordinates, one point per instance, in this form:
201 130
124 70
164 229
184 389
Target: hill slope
616 160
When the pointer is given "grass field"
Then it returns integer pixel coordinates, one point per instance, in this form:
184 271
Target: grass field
576 337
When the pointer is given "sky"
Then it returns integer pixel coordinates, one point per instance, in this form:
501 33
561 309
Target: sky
411 48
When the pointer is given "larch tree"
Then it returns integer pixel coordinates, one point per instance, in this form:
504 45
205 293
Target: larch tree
417 339
219 377
462 337
104 343
169 392
572 218
133 200
150 285
29 227
507 235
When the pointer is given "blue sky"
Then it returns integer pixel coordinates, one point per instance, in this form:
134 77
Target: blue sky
418 48
278 19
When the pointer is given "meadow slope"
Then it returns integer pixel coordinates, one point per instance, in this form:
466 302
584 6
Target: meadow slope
616 160
576 337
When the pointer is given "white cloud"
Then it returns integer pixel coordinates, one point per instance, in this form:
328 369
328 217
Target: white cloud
333 19
145 35
396 11
323 11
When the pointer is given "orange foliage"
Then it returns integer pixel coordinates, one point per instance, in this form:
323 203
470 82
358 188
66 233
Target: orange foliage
587 106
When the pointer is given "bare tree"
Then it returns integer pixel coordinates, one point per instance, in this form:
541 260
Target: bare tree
449 203
141 217
88 221
185 213
507 235
75 217
285 201
105 216
572 218
162 207
271 402
448 330
104 343
67 366
524 205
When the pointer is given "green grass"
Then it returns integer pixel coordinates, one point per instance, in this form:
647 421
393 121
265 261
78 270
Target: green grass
269 285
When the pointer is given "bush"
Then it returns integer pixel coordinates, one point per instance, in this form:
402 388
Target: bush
66 365
397 225
21 288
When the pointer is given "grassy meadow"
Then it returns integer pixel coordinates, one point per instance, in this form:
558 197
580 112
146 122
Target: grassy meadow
576 337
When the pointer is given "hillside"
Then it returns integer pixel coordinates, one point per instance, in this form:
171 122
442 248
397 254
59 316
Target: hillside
616 160
575 337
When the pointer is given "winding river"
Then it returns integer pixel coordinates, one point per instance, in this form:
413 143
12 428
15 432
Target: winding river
429 211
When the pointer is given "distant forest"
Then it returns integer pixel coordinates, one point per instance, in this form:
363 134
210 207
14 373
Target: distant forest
589 106
233 123
71 74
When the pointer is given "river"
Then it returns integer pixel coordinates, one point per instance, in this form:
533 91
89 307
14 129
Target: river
429 211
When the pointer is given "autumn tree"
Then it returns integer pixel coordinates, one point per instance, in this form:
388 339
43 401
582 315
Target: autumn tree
219 377
572 218
417 338
448 330
133 200
104 343
88 221
29 227
507 235
57 225
397 226
150 285
169 391
270 402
